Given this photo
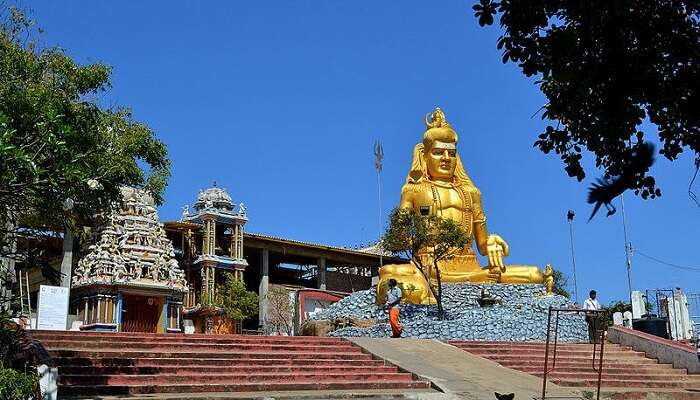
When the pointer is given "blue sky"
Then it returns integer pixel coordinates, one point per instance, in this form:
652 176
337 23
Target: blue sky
280 102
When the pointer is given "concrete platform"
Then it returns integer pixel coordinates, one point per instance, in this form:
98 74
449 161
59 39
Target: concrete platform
458 374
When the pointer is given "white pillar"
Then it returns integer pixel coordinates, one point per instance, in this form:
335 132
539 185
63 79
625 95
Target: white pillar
85 314
264 286
67 261
638 304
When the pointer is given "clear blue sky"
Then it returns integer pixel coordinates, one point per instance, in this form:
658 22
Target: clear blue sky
280 102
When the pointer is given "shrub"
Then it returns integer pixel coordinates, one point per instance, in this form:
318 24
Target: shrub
15 385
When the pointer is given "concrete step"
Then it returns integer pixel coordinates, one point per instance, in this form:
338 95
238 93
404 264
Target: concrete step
194 339
539 366
657 369
211 378
560 352
622 366
201 346
626 383
364 394
223 369
607 375
530 345
634 359
127 364
74 390
199 361
238 355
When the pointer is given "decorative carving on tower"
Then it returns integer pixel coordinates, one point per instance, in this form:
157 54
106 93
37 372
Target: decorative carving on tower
131 248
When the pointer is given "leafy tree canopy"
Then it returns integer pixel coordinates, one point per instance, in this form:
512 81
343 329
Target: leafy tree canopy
238 303
561 283
606 66
426 241
62 157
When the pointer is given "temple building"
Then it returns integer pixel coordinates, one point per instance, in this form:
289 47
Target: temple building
210 241
138 274
129 280
210 247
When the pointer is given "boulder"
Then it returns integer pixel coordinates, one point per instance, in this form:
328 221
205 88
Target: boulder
316 327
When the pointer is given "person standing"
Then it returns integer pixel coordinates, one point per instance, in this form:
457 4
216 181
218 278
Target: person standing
592 318
393 298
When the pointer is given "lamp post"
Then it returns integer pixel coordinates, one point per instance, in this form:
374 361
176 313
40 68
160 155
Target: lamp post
570 217
628 248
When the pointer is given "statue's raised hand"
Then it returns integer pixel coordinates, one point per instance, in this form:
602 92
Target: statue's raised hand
496 249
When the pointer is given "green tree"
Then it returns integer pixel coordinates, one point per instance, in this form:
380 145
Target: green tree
605 67
561 283
63 158
426 241
238 303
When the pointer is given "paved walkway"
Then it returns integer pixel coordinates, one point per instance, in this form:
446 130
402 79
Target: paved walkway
457 373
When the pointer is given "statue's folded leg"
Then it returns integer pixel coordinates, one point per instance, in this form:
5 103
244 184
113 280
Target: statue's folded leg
521 274
413 285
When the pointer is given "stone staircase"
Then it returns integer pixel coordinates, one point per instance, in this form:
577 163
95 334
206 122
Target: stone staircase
139 363
623 368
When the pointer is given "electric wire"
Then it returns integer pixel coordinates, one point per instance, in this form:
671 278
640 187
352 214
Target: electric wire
683 267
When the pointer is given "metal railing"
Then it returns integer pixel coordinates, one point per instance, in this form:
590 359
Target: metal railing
599 324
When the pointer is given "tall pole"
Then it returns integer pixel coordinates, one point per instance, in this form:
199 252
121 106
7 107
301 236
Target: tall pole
628 248
570 217
379 191
378 156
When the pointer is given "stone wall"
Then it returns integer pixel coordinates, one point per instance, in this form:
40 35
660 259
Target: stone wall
520 315
666 351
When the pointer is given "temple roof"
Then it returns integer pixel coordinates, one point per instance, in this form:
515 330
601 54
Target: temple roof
214 197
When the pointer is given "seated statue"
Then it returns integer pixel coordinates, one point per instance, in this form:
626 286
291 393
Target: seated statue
437 184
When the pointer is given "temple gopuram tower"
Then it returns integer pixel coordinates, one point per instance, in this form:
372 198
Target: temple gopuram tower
211 246
129 280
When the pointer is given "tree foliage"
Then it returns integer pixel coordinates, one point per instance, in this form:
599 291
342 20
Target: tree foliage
561 283
63 158
605 67
238 303
15 385
426 241
280 314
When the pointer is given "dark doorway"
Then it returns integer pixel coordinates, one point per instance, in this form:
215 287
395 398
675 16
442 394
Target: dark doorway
140 314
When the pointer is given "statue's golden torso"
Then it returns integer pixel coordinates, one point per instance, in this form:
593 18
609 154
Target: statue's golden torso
446 200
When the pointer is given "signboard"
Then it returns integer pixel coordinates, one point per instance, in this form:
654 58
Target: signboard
52 313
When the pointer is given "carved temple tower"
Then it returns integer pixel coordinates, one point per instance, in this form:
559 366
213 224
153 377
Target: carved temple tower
212 246
129 280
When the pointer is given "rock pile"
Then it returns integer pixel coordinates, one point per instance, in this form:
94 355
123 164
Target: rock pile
521 315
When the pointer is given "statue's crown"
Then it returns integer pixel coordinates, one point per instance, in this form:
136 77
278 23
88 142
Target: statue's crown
436 119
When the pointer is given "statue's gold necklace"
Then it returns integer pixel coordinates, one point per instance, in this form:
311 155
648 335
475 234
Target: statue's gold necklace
466 199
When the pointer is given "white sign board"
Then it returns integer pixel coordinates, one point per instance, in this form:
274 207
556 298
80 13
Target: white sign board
52 313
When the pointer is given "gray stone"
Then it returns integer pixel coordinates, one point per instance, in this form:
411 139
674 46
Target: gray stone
521 316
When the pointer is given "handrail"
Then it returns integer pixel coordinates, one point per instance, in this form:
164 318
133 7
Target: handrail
600 314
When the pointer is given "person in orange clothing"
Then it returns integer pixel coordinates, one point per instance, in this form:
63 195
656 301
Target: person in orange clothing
393 298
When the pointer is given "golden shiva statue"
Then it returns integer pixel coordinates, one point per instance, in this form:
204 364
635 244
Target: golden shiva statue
438 184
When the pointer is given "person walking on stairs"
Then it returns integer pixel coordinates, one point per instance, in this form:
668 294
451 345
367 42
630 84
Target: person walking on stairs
393 298
592 319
